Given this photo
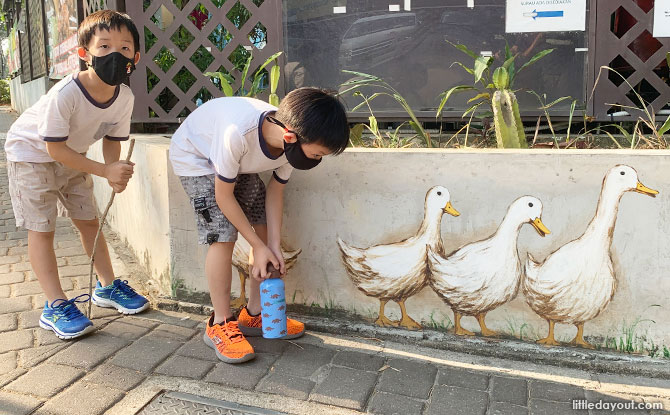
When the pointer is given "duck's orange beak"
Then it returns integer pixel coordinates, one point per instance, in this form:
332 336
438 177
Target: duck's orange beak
540 228
645 190
450 210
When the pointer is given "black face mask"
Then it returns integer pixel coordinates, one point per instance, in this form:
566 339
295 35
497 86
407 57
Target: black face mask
113 68
294 154
297 158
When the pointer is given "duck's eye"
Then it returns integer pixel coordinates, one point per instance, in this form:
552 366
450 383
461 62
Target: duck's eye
439 193
530 204
623 173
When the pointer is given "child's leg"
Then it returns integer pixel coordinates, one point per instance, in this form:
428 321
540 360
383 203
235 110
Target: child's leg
218 269
254 304
103 264
43 261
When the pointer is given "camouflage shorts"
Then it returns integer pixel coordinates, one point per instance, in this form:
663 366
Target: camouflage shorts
213 226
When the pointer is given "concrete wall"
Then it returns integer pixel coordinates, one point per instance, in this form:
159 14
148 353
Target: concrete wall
25 95
369 197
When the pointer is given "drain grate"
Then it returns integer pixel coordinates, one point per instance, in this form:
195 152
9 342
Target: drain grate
186 404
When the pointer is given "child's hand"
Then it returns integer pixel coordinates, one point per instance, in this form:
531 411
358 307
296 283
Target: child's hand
119 172
258 262
117 188
276 250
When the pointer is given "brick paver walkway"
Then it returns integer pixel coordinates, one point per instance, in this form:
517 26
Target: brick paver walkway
129 360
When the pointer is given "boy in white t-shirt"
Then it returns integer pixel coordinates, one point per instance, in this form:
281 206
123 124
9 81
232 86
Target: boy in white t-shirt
218 152
49 173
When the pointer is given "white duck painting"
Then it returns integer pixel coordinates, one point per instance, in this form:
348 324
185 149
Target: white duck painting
241 253
577 281
397 271
484 275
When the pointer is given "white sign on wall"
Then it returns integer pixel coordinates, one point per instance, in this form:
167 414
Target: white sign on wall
662 18
545 16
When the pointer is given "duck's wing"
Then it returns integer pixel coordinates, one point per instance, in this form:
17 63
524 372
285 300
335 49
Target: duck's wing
463 271
290 257
390 261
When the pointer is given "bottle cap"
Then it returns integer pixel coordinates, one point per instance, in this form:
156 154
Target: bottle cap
274 272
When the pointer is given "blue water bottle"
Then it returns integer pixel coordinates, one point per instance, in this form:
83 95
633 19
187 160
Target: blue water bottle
273 305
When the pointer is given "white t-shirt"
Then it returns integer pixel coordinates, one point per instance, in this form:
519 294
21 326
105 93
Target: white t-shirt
68 113
223 136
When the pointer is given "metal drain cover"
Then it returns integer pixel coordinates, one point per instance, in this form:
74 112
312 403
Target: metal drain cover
186 404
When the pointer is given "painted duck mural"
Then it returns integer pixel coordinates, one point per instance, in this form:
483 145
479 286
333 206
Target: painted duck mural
397 271
484 275
576 282
241 253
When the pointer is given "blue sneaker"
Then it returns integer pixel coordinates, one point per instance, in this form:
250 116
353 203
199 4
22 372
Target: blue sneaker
121 296
64 318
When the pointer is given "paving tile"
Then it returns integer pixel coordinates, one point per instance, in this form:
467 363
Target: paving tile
119 328
36 355
303 362
16 340
511 390
286 385
244 375
29 319
8 361
196 348
78 400
345 387
10 259
16 404
72 251
5 291
89 351
169 317
8 322
70 244
12 278
74 270
182 366
78 260
357 360
45 380
145 353
115 377
18 250
411 378
173 332
542 407
45 337
505 408
553 391
137 321
390 404
33 287
99 312
4 269
460 401
272 346
11 376
462 378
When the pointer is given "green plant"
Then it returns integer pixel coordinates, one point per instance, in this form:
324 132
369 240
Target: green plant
493 88
366 80
656 137
666 352
5 97
226 81
386 140
442 325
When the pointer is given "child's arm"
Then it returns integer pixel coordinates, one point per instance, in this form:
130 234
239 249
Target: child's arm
225 198
274 208
117 173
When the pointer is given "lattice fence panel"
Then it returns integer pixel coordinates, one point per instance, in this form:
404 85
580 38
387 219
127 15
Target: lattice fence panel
624 42
183 39
92 6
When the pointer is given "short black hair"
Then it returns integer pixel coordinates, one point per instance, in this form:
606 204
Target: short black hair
316 116
106 20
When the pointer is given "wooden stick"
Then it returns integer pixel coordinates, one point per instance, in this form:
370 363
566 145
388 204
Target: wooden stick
97 235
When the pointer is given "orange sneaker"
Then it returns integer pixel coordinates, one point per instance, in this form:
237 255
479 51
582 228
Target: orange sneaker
253 325
228 341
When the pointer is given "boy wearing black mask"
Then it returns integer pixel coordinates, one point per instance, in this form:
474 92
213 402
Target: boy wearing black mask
49 172
217 153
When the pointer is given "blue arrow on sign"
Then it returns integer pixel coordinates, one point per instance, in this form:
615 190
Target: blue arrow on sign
535 14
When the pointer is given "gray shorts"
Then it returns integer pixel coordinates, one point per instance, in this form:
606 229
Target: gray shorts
213 226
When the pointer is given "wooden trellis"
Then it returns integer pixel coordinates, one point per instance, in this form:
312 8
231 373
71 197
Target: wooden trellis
182 39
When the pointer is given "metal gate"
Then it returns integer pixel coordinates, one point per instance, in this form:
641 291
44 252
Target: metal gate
624 42
182 39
